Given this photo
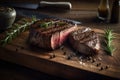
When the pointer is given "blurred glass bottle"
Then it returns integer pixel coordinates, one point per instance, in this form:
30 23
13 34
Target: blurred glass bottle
104 10
115 12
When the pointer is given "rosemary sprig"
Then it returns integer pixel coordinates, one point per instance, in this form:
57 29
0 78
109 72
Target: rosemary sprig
109 37
34 18
16 30
46 24
56 23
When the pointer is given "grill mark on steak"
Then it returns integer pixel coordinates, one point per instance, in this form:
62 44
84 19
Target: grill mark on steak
85 41
51 27
54 29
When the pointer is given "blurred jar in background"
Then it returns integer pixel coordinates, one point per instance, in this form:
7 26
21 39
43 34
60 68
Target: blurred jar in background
7 17
104 11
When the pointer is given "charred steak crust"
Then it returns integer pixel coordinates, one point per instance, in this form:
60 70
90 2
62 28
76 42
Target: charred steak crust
50 37
85 41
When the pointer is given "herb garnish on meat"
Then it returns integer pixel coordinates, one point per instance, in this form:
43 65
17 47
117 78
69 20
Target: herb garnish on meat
50 23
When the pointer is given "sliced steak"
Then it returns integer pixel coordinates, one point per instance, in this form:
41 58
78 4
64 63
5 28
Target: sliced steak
52 36
85 41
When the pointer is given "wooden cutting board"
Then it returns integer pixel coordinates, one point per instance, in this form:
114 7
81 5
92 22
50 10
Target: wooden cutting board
59 63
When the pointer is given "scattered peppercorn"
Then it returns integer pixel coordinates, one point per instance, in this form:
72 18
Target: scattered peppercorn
68 57
64 53
101 68
92 60
98 64
52 56
106 67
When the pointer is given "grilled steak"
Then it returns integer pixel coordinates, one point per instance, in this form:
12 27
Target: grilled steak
85 41
50 34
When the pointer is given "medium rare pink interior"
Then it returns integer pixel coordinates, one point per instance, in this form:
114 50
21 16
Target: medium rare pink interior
59 37
64 34
55 40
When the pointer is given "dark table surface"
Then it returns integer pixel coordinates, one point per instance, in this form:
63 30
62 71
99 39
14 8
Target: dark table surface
10 71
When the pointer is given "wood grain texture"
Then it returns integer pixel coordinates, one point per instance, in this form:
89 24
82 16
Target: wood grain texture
20 52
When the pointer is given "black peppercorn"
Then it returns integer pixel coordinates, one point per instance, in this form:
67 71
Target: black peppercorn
68 57
101 68
98 64
52 56
64 53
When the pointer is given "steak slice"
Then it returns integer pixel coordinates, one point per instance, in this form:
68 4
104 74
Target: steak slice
52 36
85 41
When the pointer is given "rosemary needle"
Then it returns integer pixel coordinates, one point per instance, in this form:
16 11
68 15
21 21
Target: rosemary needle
109 36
